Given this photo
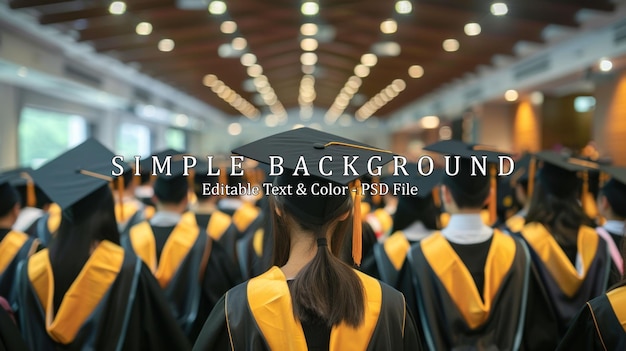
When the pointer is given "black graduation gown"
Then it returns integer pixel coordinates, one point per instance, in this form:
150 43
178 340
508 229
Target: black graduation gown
220 228
566 289
14 247
10 337
192 269
455 314
600 324
114 304
257 315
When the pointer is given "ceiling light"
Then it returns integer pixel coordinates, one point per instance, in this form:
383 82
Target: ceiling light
310 8
255 70
361 71
248 59
166 45
472 29
445 133
117 8
386 48
369 60
511 95
605 65
404 7
234 128
398 85
271 121
536 98
499 9
451 45
181 120
217 7
308 44
416 71
209 80
308 58
389 26
308 29
239 43
430 122
228 27
143 28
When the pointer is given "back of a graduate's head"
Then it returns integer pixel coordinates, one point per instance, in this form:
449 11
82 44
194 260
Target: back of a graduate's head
468 190
614 193
171 189
326 287
9 197
412 209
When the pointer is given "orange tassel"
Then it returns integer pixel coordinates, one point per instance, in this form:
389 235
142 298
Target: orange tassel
357 235
436 197
120 194
532 169
223 179
376 197
493 198
136 178
31 197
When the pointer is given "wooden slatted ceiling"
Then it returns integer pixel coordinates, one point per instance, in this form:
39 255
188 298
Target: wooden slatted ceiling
271 29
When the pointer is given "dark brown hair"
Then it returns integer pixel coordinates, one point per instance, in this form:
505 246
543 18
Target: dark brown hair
562 215
326 287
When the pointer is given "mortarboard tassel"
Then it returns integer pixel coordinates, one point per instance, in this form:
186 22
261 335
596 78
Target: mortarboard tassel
120 194
376 197
136 178
532 169
223 179
357 235
493 215
31 197
436 197
191 194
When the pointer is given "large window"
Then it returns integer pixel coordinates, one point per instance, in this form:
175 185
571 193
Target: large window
176 139
132 140
44 135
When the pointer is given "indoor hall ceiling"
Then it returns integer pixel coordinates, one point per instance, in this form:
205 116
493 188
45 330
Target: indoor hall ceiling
347 29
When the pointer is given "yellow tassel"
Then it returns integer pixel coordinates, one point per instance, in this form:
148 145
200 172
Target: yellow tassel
136 178
436 197
493 198
357 235
120 194
31 197
532 169
191 194
376 197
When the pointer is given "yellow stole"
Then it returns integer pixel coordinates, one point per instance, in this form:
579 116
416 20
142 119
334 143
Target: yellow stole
458 281
9 247
516 223
125 212
556 261
617 299
83 296
385 220
175 250
270 303
257 242
396 247
218 224
245 215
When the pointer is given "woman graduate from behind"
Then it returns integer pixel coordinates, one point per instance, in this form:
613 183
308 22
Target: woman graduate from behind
601 323
85 292
310 300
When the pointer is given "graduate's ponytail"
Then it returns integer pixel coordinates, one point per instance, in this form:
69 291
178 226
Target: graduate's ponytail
326 287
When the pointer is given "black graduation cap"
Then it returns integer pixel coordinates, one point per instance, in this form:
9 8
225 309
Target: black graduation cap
77 173
312 145
171 187
615 189
559 173
22 181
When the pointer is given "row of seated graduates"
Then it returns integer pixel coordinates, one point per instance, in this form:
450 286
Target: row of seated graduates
234 253
590 261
